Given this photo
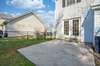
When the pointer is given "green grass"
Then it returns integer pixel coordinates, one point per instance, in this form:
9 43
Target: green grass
8 51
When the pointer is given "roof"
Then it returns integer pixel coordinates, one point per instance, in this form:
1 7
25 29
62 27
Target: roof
22 17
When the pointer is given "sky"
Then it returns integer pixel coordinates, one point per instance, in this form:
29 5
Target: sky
43 8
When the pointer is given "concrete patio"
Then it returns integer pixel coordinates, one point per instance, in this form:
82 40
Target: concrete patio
58 53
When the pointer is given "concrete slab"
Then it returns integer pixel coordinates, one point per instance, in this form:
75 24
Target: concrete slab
58 53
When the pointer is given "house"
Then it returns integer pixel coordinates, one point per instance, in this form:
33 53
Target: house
4 17
1 26
78 20
1 23
25 25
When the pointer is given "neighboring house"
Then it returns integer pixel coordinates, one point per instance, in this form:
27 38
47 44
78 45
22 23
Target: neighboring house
27 24
4 17
1 26
78 19
1 23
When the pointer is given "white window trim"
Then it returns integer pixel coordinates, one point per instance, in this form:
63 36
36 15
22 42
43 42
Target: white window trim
71 28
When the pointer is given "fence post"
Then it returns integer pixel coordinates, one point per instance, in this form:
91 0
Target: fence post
27 36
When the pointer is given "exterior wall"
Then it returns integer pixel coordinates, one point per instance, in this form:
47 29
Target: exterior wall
58 8
87 28
80 10
29 25
59 20
96 2
77 10
60 30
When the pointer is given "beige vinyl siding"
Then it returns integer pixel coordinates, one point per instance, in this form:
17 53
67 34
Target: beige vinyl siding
30 24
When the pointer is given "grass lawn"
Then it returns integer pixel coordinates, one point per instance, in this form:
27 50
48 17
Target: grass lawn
8 51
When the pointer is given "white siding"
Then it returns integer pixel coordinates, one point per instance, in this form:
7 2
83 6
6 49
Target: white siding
97 2
77 10
58 8
59 16
80 10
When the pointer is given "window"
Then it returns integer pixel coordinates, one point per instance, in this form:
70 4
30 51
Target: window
70 2
78 1
63 3
76 27
66 27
